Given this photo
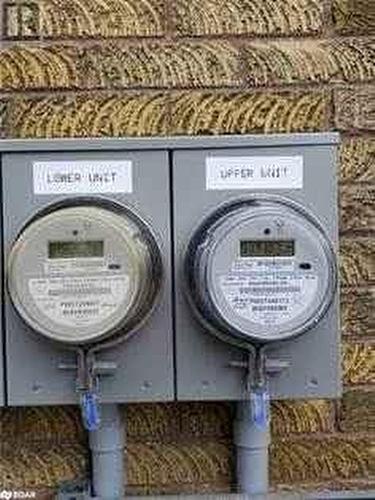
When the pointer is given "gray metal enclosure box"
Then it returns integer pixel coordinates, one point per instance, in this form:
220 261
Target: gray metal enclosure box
170 194
145 362
203 362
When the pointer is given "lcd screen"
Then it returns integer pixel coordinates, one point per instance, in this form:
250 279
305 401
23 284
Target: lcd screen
267 248
75 249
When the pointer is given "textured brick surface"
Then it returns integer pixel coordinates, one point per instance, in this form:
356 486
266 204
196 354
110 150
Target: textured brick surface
304 461
357 411
357 209
40 466
255 17
359 363
41 424
229 113
356 261
186 465
83 18
355 108
352 16
358 312
347 60
87 115
301 417
357 160
200 64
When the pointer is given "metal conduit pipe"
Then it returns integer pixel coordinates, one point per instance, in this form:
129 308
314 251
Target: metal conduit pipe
252 443
107 451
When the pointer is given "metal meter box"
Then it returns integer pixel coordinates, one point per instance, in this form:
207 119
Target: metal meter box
255 230
87 257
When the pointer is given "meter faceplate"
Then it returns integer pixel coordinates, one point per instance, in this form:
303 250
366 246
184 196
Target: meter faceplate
81 273
260 270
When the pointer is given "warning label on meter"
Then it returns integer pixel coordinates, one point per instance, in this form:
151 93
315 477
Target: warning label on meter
75 301
268 291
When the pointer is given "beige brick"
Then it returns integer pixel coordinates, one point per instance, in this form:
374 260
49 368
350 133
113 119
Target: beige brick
205 419
321 460
84 115
254 17
356 261
49 424
272 63
229 113
357 312
357 159
184 466
54 19
354 16
357 411
357 208
200 64
156 422
355 108
32 466
359 363
301 417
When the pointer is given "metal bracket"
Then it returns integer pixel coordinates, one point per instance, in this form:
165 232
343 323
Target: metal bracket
99 367
274 366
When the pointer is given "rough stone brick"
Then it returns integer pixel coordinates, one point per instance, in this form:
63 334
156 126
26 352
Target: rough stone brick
272 63
206 419
320 460
184 466
48 424
354 16
355 108
32 466
301 417
84 115
357 159
253 17
156 422
3 114
230 113
31 68
357 411
359 363
357 208
357 312
356 261
200 64
57 19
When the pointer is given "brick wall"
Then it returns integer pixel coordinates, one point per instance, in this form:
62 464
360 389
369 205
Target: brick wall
157 67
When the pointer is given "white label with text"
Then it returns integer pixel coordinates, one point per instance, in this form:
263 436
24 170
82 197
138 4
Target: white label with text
254 172
82 177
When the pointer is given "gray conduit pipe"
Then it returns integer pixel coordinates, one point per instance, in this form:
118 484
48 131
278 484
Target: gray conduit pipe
107 452
252 443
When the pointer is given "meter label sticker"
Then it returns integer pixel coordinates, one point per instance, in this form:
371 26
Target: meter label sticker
79 301
268 291
82 177
254 172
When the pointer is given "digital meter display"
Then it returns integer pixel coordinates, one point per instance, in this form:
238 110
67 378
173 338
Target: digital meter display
267 248
75 249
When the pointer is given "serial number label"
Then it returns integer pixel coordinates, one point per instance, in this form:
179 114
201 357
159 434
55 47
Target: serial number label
268 295
254 172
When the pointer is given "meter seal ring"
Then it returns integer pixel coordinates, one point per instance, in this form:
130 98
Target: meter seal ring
117 333
195 271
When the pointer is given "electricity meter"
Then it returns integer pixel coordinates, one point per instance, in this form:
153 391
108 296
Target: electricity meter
80 273
260 269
